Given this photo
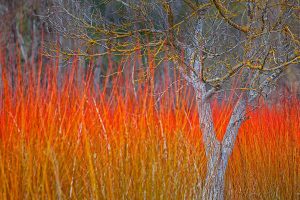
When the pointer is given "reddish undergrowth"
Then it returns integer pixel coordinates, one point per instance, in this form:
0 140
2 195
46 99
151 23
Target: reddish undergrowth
64 138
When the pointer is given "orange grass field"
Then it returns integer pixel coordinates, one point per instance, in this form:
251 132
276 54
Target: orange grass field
78 142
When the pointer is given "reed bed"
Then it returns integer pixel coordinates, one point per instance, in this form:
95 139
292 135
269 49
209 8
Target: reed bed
71 140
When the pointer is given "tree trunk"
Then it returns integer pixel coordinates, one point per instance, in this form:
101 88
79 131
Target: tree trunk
216 168
217 152
215 178
214 184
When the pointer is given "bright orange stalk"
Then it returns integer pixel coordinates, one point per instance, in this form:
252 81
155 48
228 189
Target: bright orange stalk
54 141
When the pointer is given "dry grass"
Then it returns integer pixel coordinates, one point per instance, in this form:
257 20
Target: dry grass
85 144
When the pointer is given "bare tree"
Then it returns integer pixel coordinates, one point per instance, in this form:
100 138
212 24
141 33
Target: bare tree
249 43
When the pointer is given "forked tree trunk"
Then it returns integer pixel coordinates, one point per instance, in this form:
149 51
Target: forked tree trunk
215 178
217 152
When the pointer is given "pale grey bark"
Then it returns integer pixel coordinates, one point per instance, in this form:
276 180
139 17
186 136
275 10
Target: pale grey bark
217 152
216 161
